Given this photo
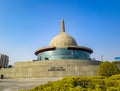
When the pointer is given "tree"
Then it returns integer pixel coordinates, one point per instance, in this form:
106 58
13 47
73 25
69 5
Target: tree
108 69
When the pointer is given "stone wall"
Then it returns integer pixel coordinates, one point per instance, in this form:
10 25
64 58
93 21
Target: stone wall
50 68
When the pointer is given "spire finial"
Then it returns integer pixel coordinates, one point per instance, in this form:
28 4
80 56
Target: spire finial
62 26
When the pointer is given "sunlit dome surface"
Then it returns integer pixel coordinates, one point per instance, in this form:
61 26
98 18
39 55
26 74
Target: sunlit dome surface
63 40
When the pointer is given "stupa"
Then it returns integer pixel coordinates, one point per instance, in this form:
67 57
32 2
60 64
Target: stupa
63 57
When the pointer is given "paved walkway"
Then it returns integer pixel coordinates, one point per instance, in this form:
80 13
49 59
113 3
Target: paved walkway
26 83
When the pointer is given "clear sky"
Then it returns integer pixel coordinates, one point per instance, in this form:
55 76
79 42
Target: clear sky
27 25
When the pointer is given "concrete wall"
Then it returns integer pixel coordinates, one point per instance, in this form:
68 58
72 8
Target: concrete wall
50 68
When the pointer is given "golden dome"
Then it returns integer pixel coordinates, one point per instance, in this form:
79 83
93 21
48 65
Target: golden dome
63 40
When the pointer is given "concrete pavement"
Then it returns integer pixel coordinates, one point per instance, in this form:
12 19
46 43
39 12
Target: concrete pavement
23 83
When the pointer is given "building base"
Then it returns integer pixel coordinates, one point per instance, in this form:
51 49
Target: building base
52 68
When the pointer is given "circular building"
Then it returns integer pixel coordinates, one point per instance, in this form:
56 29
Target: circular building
63 57
63 46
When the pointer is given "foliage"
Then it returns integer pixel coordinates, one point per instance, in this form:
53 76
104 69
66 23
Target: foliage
108 69
89 83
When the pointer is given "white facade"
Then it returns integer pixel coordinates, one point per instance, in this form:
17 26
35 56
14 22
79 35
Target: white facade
4 59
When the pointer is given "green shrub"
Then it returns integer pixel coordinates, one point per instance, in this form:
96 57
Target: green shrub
90 83
115 77
107 69
113 89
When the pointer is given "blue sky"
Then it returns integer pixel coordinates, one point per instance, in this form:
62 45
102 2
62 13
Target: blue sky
27 25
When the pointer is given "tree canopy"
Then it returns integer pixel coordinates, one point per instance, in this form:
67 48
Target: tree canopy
108 69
